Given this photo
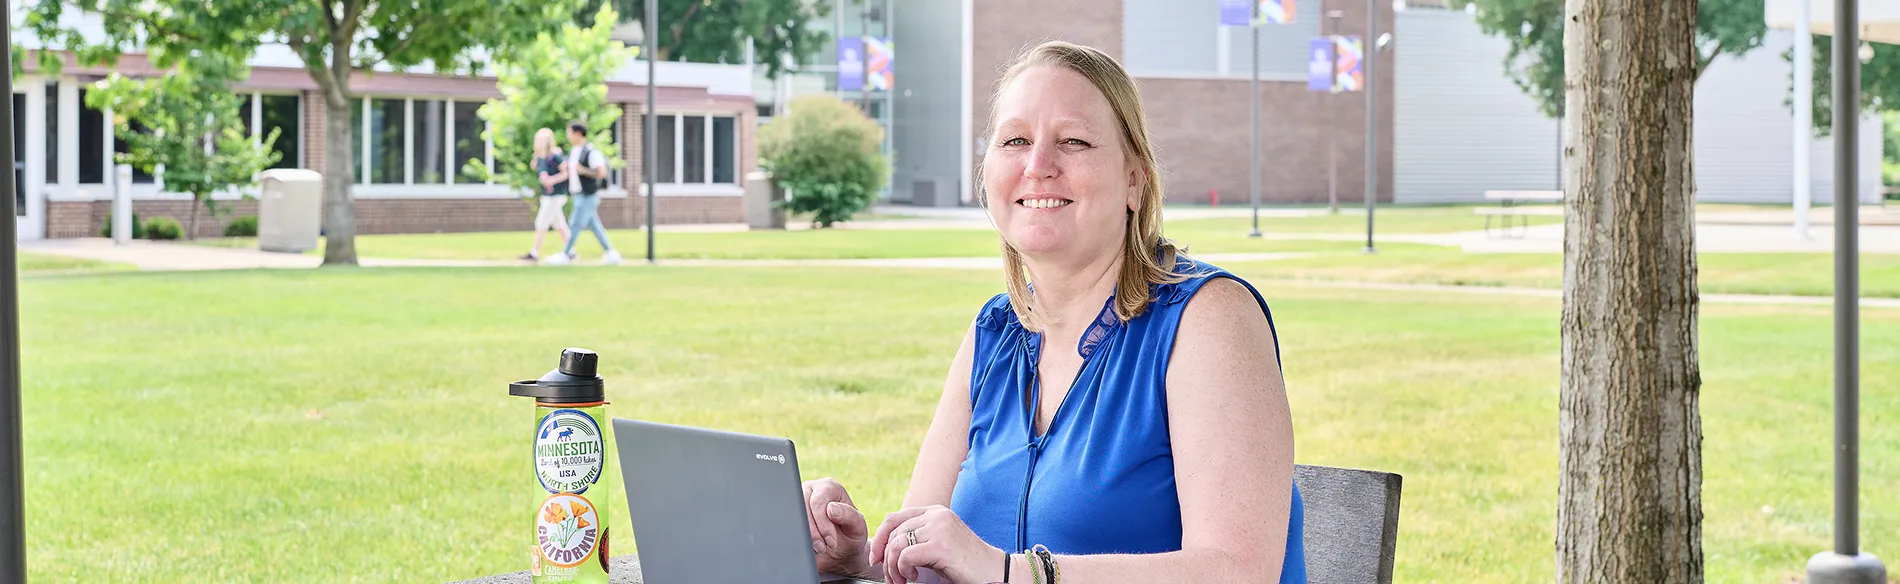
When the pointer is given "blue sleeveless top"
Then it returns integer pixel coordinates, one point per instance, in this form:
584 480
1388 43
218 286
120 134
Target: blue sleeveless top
1101 479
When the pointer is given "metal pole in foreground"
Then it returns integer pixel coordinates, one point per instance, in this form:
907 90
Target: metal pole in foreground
1253 100
12 467
648 167
1846 564
1370 50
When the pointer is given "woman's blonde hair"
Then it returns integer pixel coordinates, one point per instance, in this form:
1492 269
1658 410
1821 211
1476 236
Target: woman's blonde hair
1147 257
544 143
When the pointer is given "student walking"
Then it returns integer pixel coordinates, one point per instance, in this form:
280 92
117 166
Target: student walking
550 165
587 172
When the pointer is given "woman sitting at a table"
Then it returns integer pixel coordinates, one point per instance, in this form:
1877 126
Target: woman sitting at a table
1118 415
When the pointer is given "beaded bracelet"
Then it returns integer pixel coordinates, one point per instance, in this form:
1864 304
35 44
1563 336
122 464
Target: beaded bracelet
1048 563
1035 574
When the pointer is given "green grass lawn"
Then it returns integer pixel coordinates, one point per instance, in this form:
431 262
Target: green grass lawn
39 263
1810 274
353 425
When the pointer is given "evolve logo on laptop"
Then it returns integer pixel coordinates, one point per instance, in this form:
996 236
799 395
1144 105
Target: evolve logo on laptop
715 506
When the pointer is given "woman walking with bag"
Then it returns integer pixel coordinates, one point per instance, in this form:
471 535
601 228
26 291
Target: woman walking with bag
550 167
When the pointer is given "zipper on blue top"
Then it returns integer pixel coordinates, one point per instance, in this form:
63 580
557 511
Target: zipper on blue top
1031 397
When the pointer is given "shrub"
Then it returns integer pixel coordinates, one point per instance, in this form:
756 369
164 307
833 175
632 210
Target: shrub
245 226
825 152
163 228
138 229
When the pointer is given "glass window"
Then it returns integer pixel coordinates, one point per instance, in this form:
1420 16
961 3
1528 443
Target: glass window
663 146
693 149
386 141
469 144
723 154
284 113
52 133
356 140
92 143
119 146
613 133
431 129
244 115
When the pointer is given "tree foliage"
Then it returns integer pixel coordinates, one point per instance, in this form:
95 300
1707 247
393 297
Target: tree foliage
714 31
825 152
1879 81
184 129
545 84
333 39
1535 29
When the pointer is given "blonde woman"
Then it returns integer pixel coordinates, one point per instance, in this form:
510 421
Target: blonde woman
1118 415
550 167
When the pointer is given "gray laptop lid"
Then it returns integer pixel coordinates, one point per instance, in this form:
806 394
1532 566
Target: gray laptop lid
714 506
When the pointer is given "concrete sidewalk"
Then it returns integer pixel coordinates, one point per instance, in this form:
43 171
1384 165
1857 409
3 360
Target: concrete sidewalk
159 256
172 257
1710 238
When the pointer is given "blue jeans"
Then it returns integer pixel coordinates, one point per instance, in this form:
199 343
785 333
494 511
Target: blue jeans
586 216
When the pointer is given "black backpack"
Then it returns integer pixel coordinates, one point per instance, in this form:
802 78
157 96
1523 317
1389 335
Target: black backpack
581 156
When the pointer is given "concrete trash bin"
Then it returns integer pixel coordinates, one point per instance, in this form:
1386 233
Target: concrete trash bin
289 210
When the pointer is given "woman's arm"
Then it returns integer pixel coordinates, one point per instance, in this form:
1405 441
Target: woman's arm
947 441
1233 454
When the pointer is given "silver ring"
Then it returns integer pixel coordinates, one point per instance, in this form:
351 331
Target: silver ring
910 538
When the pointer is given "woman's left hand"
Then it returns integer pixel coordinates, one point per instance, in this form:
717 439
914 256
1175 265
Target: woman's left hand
934 538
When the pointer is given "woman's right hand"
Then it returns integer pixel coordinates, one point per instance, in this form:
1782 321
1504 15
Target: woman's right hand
838 532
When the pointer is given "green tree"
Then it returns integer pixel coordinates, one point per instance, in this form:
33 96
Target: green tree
1879 81
546 84
333 38
714 31
1535 29
825 152
184 129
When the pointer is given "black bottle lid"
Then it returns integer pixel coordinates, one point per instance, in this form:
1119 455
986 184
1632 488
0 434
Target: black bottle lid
576 381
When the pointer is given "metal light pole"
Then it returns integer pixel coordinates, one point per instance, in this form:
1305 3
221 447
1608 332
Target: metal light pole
1846 564
1803 117
1253 99
1332 116
864 62
1371 51
12 468
652 118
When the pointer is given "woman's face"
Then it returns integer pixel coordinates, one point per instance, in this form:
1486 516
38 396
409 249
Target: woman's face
1059 184
543 141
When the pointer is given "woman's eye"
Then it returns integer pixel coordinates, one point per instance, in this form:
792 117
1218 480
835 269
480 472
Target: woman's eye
1015 142
1076 142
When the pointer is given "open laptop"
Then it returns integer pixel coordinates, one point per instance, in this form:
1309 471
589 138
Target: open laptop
714 506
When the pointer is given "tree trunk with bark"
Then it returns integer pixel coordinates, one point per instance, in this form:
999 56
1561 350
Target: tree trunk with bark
339 171
1630 483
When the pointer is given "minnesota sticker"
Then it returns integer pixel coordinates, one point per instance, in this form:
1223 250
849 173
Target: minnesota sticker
568 451
567 530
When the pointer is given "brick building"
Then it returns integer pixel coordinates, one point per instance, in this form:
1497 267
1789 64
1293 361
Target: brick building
1194 80
416 129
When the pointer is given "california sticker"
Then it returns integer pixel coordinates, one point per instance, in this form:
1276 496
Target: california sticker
569 451
568 530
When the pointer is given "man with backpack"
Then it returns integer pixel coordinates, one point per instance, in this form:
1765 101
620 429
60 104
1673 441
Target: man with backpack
587 173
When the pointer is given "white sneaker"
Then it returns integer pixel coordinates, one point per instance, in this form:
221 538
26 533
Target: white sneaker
612 258
559 259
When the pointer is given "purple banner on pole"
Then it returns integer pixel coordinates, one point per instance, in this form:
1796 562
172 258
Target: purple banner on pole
1319 64
851 63
1236 12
